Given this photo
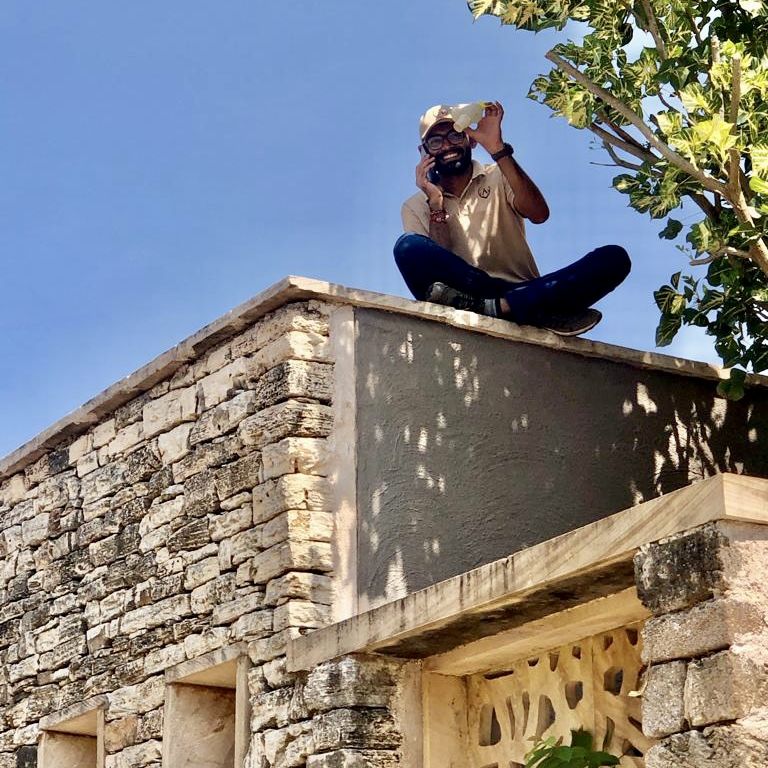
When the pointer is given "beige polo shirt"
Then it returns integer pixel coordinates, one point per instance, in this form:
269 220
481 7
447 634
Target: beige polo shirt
486 230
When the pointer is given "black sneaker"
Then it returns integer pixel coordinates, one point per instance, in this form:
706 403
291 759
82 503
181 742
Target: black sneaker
440 293
571 324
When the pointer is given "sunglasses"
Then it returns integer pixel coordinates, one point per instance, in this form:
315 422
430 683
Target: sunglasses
434 143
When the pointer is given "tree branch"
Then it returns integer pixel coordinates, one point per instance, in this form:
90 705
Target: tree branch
664 150
620 161
653 28
631 149
694 26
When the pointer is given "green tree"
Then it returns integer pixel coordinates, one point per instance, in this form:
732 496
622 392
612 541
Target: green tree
676 91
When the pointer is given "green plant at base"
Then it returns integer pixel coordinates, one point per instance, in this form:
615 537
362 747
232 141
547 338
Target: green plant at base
551 754
676 92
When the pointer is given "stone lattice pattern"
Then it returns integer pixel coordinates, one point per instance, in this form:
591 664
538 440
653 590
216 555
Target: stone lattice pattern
580 685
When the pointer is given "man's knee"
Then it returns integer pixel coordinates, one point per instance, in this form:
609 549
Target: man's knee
408 247
615 262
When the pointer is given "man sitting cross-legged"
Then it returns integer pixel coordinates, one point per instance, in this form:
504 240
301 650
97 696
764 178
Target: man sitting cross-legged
464 243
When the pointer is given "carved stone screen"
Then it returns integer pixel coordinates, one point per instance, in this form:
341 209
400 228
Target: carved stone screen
586 684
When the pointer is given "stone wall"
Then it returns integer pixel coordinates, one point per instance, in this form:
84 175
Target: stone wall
706 696
193 517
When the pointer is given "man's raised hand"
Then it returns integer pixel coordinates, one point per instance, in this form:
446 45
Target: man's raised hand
488 131
432 191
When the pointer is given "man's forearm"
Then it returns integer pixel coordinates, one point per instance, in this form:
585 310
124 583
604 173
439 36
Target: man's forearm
529 201
439 232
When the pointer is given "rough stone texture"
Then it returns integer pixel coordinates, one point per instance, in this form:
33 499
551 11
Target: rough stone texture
663 704
681 571
731 746
144 543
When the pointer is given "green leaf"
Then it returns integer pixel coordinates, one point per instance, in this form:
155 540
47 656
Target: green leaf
756 184
733 387
669 301
581 738
671 230
667 330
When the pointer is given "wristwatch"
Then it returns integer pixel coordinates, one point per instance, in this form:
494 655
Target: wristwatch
505 151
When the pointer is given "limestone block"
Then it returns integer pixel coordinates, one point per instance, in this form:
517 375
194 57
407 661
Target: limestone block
201 572
725 686
294 379
35 530
301 613
289 419
87 464
289 747
681 571
200 496
227 524
131 411
97 509
360 728
707 627
142 463
227 612
210 640
290 492
276 675
293 345
223 418
303 586
63 654
174 445
268 648
136 699
352 681
155 539
103 433
11 539
662 703
143 755
151 725
206 456
25 668
355 758
24 510
166 611
191 536
298 524
271 709
240 475
105 481
120 733
252 625
169 411
94 530
245 545
57 491
14 489
221 385
160 659
306 455
195 555
300 316
727 746
291 556
161 513
127 438
49 464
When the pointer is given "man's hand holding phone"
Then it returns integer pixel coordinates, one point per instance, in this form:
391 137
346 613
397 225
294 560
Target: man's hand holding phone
431 190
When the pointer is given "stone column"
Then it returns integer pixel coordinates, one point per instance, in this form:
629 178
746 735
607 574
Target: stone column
706 647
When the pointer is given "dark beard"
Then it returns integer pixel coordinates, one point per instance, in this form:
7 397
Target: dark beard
455 167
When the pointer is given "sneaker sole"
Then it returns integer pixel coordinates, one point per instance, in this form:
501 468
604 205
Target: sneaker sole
579 324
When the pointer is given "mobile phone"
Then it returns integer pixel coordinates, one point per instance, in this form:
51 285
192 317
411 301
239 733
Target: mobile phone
433 175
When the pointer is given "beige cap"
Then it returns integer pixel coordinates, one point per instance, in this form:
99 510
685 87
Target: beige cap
440 113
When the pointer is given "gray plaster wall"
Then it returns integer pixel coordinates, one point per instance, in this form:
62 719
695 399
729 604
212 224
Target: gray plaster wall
470 447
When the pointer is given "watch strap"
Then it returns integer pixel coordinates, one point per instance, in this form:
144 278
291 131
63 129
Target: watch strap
505 151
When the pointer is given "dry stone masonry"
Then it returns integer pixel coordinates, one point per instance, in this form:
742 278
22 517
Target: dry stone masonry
194 517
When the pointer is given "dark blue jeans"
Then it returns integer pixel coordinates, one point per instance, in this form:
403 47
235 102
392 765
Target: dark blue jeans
422 261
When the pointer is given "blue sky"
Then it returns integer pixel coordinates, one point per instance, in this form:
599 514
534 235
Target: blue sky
162 162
